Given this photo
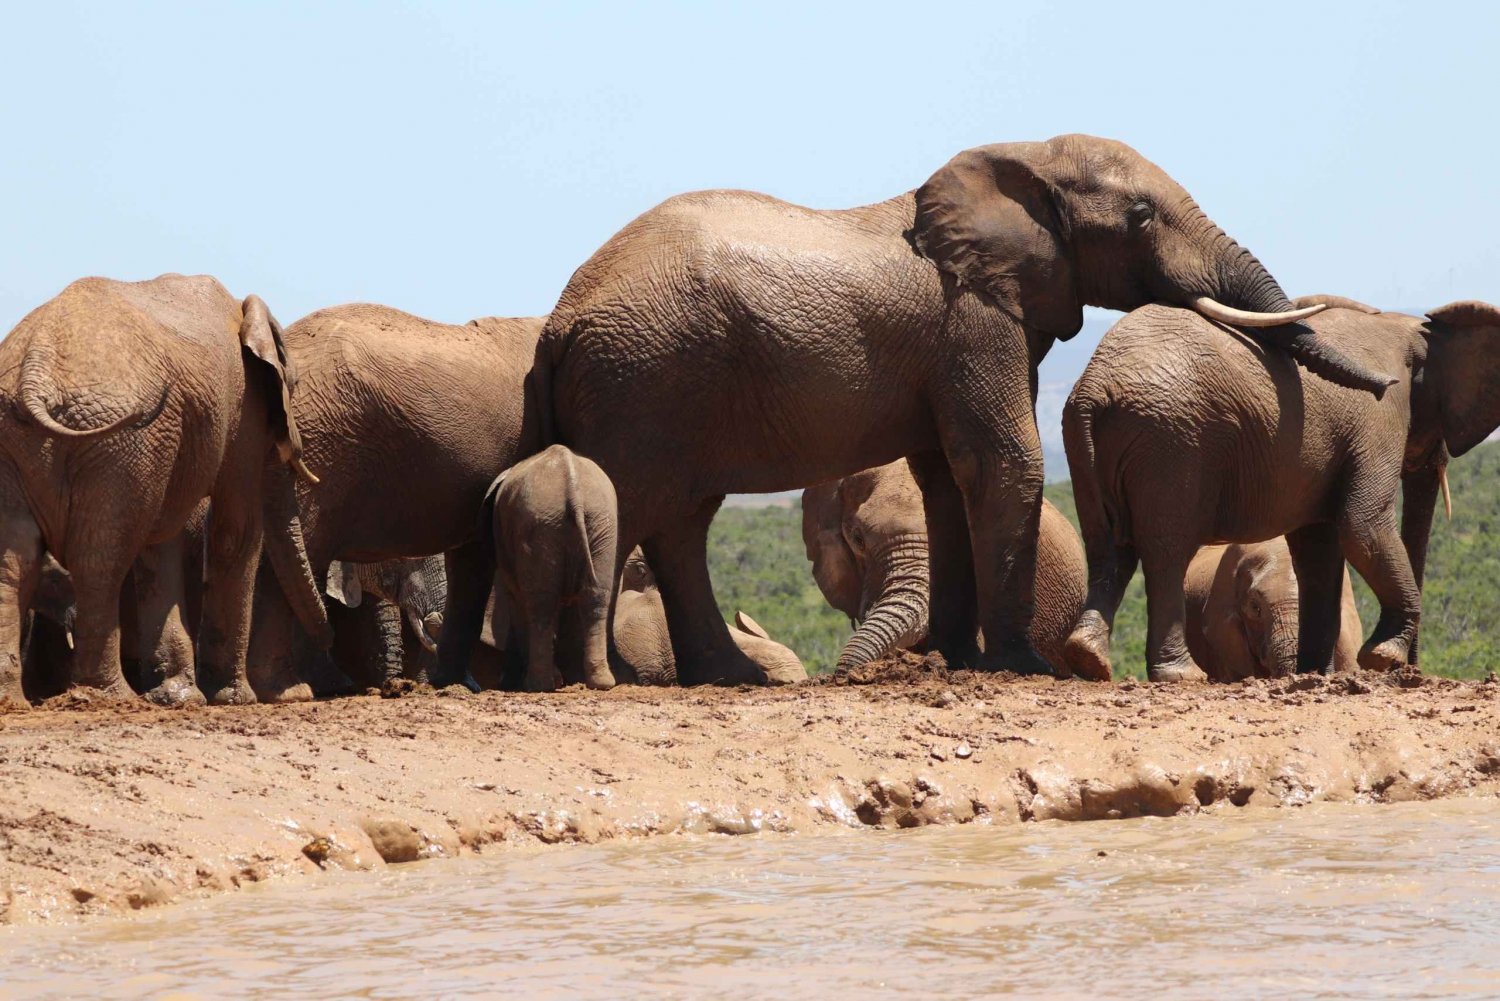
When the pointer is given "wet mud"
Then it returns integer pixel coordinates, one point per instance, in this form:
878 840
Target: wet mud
106 809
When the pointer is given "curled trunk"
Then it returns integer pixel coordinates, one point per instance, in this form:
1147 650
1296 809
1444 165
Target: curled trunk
287 551
1245 284
895 603
1278 648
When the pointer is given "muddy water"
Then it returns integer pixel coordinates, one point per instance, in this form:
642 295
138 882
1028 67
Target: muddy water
1323 901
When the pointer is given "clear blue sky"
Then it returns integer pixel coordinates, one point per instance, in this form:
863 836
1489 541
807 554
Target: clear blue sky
458 160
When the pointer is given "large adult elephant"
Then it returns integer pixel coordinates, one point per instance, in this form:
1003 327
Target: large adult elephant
1182 432
866 537
728 341
128 403
407 422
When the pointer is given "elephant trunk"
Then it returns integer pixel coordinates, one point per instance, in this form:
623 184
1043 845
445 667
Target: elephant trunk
895 604
1242 283
1278 647
288 554
1419 490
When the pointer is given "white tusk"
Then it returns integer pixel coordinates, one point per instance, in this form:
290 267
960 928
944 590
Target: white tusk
1244 318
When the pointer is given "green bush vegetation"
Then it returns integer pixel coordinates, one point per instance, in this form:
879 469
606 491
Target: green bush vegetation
758 564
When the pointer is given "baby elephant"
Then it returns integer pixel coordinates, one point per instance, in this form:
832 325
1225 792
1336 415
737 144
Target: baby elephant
1183 432
552 528
1243 612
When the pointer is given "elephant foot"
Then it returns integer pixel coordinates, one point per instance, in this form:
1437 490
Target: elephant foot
1176 672
1018 658
237 693
11 696
176 691
1086 651
542 681
726 667
599 679
1387 656
116 690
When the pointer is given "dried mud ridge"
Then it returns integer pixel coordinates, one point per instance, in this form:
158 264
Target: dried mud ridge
106 809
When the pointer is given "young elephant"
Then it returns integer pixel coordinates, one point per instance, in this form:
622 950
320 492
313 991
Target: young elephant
866 536
552 520
1243 613
413 590
643 648
1182 432
128 403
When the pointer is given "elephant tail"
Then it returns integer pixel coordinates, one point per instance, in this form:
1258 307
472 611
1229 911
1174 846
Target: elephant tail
36 387
539 386
585 548
1099 511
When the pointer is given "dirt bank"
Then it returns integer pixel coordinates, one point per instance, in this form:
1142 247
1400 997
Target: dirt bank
108 809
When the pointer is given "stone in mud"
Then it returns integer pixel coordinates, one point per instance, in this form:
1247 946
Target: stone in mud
394 840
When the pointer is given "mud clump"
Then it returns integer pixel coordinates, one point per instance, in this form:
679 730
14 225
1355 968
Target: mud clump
899 667
394 841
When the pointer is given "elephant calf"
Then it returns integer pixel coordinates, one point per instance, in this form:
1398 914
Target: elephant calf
643 647
552 522
1183 432
410 590
1243 613
866 536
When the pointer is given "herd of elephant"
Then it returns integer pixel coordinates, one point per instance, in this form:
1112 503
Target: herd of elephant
195 494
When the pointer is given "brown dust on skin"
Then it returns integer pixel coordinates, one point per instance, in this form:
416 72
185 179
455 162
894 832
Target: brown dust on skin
108 808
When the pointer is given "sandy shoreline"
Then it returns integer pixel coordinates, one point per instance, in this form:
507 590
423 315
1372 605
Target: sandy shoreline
104 810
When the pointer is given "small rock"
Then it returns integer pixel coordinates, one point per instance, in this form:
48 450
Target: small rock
1490 678
317 850
83 896
1102 853
945 700
394 841
963 751
937 754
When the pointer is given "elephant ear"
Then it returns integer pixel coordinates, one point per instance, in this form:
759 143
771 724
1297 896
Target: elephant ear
1464 355
262 338
343 584
992 220
834 566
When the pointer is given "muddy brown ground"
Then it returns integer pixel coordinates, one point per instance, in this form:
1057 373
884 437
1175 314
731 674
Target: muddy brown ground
105 809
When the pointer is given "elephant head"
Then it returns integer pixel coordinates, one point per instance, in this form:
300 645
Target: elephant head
1252 607
417 585
1462 372
1045 228
867 539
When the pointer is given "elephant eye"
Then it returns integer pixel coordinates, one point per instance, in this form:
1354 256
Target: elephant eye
1140 214
856 538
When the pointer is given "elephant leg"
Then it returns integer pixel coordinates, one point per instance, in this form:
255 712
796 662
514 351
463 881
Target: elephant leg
392 650
469 582
96 656
1319 564
996 460
1374 547
1111 565
166 649
18 575
278 644
701 644
953 609
584 642
235 533
541 640
1167 656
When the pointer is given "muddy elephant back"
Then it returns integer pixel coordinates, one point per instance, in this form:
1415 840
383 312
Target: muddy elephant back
1061 585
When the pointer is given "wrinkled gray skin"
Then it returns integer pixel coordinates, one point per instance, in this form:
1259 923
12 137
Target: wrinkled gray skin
1182 433
407 422
726 341
867 540
1243 613
412 590
552 520
643 648
126 404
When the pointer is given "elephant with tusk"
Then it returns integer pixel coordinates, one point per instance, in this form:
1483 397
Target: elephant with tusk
727 341
1184 432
